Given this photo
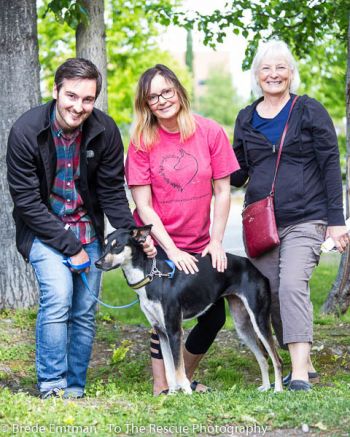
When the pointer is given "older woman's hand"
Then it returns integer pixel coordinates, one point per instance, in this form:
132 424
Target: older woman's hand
340 236
218 255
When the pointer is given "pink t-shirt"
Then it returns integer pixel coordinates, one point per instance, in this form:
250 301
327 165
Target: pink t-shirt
181 175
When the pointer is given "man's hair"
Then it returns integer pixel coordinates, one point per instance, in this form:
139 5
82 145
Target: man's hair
78 68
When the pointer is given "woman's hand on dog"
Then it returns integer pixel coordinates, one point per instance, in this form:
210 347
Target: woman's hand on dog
184 261
218 255
149 247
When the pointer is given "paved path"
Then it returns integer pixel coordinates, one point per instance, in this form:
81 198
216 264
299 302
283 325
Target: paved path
233 236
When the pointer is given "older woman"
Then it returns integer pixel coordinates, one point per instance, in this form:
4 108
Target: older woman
308 194
176 162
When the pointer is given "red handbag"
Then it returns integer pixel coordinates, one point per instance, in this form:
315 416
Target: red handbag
260 233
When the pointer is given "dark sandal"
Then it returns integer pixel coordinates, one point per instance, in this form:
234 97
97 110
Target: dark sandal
163 392
299 385
314 378
194 385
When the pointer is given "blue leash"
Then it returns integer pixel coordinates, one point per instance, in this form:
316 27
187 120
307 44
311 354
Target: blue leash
67 262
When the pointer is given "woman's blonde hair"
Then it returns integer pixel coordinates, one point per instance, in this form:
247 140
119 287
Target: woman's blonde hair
274 47
146 123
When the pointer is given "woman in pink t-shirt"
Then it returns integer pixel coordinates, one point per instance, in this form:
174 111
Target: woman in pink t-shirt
176 162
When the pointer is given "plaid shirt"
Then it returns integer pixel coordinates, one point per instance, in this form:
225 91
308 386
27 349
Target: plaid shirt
65 200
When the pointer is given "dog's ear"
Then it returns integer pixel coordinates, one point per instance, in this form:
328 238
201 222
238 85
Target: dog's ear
140 234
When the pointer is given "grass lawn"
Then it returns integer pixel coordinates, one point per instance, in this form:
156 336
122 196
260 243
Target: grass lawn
119 400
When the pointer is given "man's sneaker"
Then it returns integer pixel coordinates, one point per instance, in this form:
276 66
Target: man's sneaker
73 395
53 393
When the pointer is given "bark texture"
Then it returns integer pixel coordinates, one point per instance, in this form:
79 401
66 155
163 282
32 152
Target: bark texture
91 44
19 91
338 300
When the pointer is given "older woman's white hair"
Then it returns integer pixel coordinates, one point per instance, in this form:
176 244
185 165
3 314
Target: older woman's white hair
274 48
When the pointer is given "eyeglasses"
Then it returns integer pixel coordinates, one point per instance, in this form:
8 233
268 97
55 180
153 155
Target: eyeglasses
167 94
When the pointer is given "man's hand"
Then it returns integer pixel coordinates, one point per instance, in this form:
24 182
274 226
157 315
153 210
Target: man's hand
80 258
149 248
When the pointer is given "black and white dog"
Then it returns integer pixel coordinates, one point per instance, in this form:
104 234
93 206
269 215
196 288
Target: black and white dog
167 302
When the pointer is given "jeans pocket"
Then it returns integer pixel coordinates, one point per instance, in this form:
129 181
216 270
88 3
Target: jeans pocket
321 230
33 250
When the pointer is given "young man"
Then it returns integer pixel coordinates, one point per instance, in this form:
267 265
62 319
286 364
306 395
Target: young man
65 170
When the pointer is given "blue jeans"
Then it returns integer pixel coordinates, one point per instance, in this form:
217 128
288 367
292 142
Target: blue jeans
65 325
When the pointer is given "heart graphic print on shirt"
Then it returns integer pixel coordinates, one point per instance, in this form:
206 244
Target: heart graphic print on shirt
179 170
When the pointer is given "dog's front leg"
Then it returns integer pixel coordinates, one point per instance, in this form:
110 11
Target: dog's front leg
168 361
175 341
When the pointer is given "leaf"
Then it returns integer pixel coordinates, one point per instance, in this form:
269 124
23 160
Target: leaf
119 354
246 418
69 420
320 426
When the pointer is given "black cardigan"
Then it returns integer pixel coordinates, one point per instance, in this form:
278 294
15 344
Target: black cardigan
308 184
31 168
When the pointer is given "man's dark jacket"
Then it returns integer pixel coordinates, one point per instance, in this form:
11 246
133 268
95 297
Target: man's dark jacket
308 184
31 167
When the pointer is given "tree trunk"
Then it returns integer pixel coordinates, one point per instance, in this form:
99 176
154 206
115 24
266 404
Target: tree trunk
19 91
338 300
91 44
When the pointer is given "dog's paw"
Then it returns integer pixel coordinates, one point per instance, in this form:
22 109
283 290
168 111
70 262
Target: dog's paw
278 388
187 389
264 387
172 390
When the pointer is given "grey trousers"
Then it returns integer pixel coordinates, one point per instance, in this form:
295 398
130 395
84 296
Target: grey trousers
289 268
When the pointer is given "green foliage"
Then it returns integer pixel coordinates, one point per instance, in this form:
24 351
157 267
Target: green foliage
71 12
131 30
120 353
300 23
323 76
17 352
56 44
220 100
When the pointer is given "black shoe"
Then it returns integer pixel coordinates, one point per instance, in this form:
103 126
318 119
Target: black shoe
53 393
314 378
299 385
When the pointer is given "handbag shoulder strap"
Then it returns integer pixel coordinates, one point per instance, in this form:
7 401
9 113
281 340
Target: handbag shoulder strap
281 145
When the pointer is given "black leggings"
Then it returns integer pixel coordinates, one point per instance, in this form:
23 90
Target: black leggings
209 324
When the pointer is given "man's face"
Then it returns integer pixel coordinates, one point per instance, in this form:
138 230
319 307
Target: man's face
74 102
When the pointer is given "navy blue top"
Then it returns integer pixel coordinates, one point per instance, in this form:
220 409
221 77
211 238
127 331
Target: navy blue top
272 128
